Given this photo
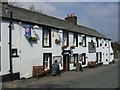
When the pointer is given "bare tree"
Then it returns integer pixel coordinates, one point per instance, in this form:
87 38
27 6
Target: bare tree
15 3
32 8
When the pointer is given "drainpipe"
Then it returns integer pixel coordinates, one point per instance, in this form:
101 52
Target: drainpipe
10 45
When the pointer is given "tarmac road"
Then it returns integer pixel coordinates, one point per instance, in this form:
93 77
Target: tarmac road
100 77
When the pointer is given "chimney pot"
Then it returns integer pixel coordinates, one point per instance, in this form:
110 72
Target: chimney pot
70 15
71 18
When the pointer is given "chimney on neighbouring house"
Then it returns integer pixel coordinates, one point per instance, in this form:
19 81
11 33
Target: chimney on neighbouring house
71 18
4 1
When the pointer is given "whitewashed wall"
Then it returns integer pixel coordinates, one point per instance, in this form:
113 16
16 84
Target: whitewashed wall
31 54
5 54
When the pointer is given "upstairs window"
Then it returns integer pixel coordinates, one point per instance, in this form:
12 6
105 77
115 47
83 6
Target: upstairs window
84 41
97 42
46 37
75 39
65 39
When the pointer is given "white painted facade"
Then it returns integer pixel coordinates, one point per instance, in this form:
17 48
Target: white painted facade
31 54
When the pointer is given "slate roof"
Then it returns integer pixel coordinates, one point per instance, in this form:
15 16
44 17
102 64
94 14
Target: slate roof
42 19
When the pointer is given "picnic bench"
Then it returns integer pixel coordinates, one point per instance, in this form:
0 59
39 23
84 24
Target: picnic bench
92 64
39 71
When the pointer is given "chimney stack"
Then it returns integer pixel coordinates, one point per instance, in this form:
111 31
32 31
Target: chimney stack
71 18
4 1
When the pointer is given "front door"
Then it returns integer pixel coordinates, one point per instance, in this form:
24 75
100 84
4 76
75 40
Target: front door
83 59
47 61
65 62
97 58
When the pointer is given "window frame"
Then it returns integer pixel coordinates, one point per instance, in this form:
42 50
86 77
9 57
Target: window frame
75 37
67 34
50 61
84 61
74 62
84 41
97 41
43 33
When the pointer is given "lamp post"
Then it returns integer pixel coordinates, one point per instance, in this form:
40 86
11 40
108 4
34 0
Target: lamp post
10 42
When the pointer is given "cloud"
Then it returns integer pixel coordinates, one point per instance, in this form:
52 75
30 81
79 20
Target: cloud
100 10
44 7
67 0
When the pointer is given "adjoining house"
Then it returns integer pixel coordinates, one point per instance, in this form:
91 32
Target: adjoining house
39 40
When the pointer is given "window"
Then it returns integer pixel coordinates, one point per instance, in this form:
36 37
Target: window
84 41
46 37
75 39
83 58
100 56
74 59
97 57
65 38
97 42
15 53
47 60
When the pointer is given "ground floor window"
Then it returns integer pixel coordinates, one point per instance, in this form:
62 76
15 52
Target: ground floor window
74 59
100 56
47 60
97 57
83 58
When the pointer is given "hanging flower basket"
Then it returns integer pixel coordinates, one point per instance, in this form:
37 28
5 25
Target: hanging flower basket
72 47
64 46
57 41
32 38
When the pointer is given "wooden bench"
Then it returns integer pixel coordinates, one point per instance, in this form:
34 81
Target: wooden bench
92 64
39 70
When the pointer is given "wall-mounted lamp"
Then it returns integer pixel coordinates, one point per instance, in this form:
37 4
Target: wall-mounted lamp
82 35
60 31
35 27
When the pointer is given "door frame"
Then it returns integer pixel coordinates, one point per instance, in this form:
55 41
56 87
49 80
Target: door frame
67 68
97 57
84 55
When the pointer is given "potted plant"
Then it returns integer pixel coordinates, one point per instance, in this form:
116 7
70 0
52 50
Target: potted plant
72 47
64 46
32 38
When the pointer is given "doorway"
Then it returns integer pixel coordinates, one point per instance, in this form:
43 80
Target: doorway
47 61
83 58
66 62
97 58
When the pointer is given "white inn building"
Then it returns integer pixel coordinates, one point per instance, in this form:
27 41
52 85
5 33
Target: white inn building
36 39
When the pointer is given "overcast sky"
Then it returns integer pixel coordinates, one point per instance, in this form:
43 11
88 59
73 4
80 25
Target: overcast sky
102 16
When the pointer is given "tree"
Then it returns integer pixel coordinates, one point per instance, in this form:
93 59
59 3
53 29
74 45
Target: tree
32 8
15 3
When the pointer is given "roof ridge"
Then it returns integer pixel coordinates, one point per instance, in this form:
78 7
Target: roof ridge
47 20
